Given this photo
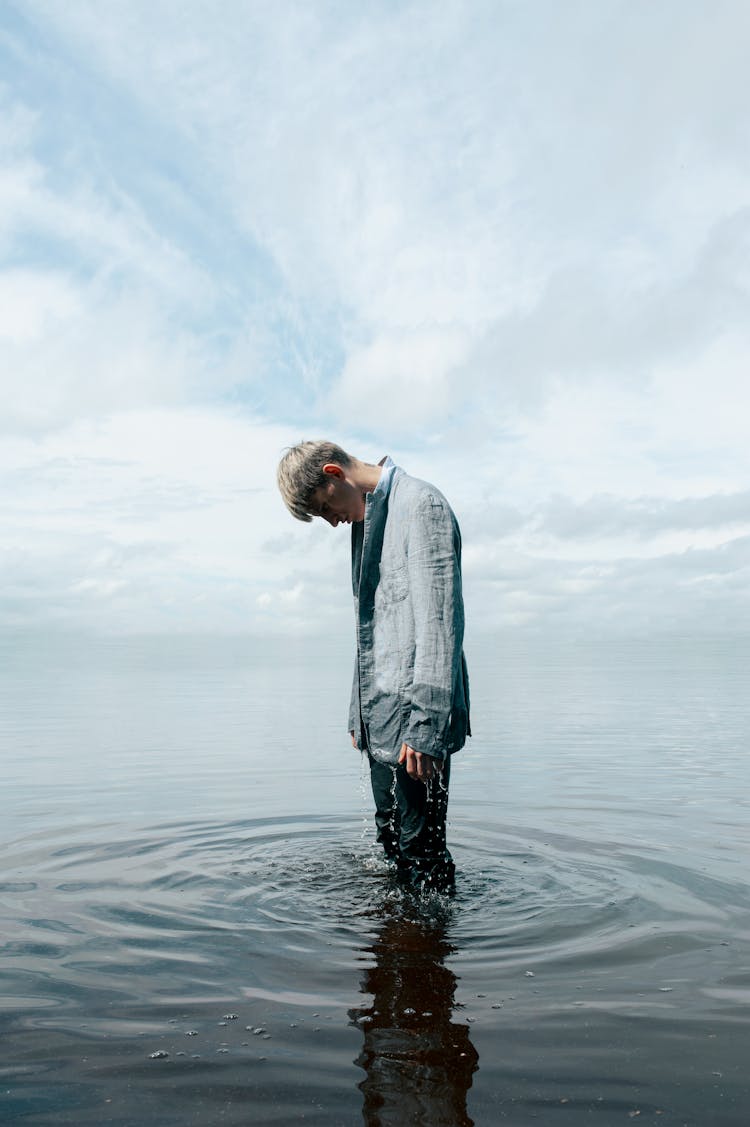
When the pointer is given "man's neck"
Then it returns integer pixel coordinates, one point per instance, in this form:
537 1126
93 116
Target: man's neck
366 477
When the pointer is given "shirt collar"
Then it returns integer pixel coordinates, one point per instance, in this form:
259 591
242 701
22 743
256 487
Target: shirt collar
384 482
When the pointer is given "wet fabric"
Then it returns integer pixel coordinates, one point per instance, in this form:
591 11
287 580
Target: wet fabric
410 821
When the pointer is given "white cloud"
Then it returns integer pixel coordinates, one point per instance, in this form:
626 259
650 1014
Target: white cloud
95 304
513 242
34 304
402 380
84 351
160 519
100 224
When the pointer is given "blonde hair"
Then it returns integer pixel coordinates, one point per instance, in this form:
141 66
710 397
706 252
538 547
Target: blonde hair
300 473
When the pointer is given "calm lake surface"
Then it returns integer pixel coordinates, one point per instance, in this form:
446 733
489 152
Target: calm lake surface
197 928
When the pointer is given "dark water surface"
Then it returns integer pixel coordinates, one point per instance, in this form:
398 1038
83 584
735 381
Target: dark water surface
197 928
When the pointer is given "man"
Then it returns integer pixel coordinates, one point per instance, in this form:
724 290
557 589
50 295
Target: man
410 695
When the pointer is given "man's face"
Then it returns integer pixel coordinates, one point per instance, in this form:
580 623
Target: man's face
339 501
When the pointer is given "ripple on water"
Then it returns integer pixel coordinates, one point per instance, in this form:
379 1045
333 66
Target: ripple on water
313 884
193 936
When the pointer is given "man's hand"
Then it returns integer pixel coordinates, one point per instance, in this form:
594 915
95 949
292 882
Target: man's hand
419 765
354 740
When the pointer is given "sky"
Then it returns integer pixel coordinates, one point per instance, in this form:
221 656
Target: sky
507 243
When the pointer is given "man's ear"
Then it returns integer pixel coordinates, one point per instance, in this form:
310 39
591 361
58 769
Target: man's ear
333 470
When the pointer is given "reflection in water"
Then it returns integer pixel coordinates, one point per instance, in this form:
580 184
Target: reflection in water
418 1062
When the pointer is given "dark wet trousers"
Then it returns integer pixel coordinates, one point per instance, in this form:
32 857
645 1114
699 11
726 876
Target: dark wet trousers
410 821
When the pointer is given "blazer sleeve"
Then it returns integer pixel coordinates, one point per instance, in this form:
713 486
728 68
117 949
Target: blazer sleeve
434 568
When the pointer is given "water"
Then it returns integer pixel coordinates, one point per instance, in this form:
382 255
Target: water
198 929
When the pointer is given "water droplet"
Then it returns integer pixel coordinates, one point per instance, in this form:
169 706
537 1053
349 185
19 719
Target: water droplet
529 973
160 1054
230 1017
259 1029
192 1033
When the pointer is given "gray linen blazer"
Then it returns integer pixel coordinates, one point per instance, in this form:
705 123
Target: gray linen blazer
410 679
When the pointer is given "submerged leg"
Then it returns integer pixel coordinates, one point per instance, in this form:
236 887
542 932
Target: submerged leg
423 809
387 816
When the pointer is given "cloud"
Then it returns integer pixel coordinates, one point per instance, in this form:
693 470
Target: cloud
403 378
93 300
84 351
465 235
420 179
643 516
698 591
618 323
163 524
